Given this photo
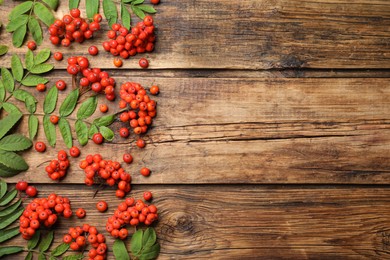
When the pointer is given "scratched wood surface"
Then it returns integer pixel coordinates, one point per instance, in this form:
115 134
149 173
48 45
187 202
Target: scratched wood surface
272 139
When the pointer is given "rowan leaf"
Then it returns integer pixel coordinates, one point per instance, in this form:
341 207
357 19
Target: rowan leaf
9 196
3 49
43 13
16 23
8 122
87 108
73 4
147 8
33 124
34 80
9 250
8 80
120 251
11 108
149 237
19 35
17 67
92 130
107 133
10 209
41 256
42 56
46 241
3 188
138 12
104 120
66 132
53 4
2 91
136 242
7 172
29 256
35 29
125 16
50 102
41 68
8 234
26 97
136 2
33 242
13 161
50 130
150 253
60 249
11 218
69 104
73 257
29 59
81 132
110 12
15 142
92 7
20 9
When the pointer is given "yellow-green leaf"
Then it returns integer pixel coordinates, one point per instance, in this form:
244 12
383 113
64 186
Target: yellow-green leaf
10 209
46 241
3 49
33 80
50 130
81 132
8 80
66 133
20 9
73 4
11 218
92 7
13 161
44 14
3 188
8 122
50 102
136 242
110 12
19 35
120 251
16 23
32 126
69 103
51 3
87 108
42 56
8 197
33 242
17 67
9 250
35 29
125 16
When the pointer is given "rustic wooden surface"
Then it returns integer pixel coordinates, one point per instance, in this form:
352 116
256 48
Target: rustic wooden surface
272 139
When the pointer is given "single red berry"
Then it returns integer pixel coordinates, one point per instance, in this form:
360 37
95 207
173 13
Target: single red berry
145 171
127 158
31 191
75 13
21 185
54 119
65 42
74 151
60 84
154 90
41 87
118 62
101 206
155 2
40 147
124 132
147 195
80 213
97 18
141 143
31 45
62 156
143 63
58 56
103 108
97 138
148 21
93 50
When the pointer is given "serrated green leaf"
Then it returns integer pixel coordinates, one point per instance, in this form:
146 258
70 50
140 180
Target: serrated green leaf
138 12
81 132
17 67
10 209
50 102
8 197
69 104
15 142
8 80
60 249
120 251
50 130
29 59
2 91
3 188
42 56
147 8
29 256
34 80
6 172
33 242
11 218
29 100
136 2
19 35
31 104
9 250
92 7
110 12
3 49
16 23
8 234
33 124
73 4
13 161
11 108
127 1
73 257
46 241
136 242
107 133
8 122
92 130
41 68
149 237
66 132
41 256
20 9
35 29
125 16
53 4
150 253
104 120
43 13
87 108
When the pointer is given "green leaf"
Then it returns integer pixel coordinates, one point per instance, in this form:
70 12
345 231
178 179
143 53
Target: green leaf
31 104
42 56
107 133
35 29
120 251
53 4
138 12
41 256
73 257
46 241
136 242
15 142
136 2
17 67
150 253
9 250
19 35
41 68
92 7
73 4
29 59
33 242
60 249
8 122
11 218
29 256
50 130
8 80
149 237
16 23
125 16
3 49
3 188
69 103
11 109
81 132
93 130
66 133
20 9
32 126
29 100
127 1
147 8
10 209
104 120
87 108
8 197
50 102
43 13
2 91
7 172
8 234
110 12
34 80
13 161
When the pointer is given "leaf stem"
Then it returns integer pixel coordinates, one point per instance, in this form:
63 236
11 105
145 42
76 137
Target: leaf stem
18 87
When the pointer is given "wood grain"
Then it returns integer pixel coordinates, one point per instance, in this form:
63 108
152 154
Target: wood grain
252 222
256 34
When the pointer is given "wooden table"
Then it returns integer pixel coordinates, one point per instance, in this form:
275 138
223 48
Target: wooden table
272 138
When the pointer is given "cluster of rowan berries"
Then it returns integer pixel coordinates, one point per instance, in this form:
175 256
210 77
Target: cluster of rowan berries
130 212
73 28
78 237
43 211
141 107
100 81
58 168
95 167
127 43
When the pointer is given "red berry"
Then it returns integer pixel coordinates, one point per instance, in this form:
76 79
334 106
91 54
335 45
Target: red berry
40 147
31 45
97 18
141 143
31 191
80 213
145 171
93 50
60 84
118 62
58 56
74 151
148 21
97 138
41 87
124 132
143 63
127 158
155 2
21 185
147 195
103 108
154 90
75 13
101 206
54 119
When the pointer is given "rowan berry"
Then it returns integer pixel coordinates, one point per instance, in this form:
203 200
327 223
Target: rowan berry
101 206
143 63
147 195
62 156
74 151
67 239
154 90
54 119
145 171
67 213
60 84
103 108
118 62
21 185
31 191
140 143
97 18
41 87
40 147
97 138
93 50
31 45
155 2
80 213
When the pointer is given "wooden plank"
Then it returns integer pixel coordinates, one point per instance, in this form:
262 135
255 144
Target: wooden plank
255 34
268 130
253 222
